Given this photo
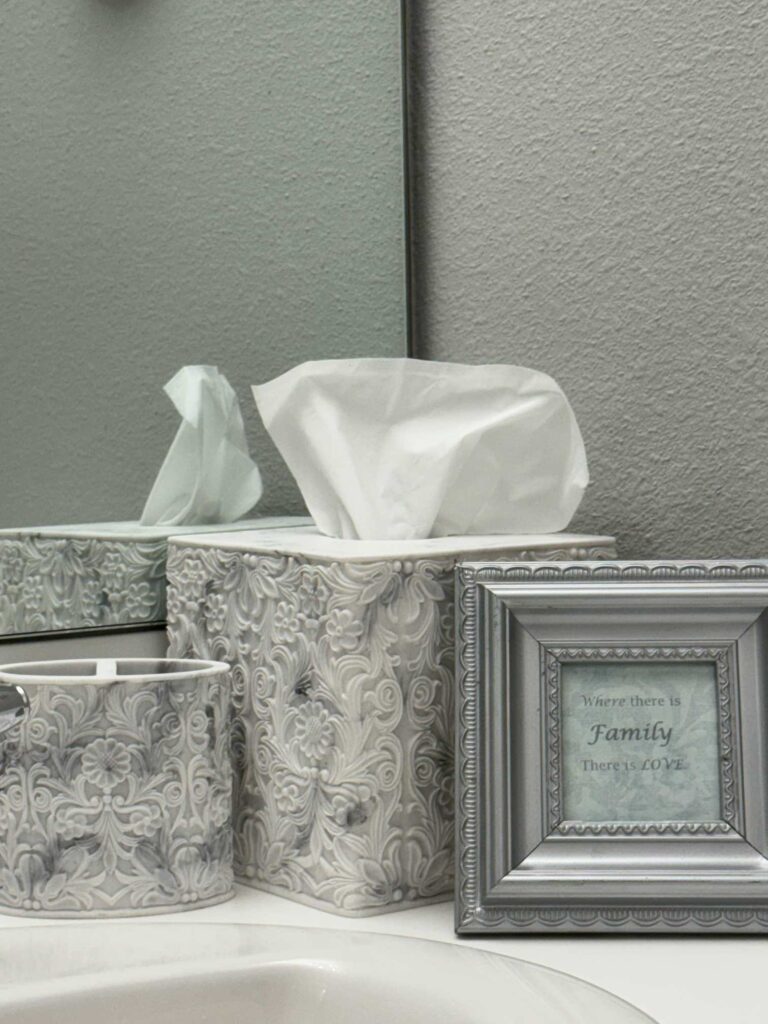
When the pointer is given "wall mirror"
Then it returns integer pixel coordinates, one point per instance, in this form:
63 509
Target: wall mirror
219 184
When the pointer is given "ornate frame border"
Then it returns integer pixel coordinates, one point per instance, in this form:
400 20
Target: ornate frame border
483 589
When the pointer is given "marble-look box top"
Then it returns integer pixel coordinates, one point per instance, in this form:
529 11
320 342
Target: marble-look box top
91 575
309 542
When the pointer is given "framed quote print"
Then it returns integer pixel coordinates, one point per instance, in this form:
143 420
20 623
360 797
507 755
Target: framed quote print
612 747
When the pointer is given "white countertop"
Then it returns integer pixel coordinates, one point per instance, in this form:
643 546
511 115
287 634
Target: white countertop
677 980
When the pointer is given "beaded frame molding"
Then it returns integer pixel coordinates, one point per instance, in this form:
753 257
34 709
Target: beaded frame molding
521 865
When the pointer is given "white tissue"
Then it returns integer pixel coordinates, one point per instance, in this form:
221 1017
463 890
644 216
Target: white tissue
398 449
208 475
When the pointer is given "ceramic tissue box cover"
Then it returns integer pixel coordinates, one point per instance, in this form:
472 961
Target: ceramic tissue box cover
89 575
115 797
343 678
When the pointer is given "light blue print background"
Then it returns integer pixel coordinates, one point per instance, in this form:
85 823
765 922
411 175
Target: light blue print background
630 779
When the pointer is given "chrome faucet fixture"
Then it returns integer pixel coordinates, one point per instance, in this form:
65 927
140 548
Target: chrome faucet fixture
14 705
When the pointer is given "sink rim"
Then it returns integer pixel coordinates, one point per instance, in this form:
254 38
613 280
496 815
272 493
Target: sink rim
329 948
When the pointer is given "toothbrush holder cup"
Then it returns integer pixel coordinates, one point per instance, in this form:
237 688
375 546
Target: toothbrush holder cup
115 788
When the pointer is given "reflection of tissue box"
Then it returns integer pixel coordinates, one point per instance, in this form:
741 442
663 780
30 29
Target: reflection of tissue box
91 574
343 676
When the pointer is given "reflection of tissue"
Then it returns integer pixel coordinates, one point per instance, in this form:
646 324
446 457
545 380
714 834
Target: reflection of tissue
399 448
208 475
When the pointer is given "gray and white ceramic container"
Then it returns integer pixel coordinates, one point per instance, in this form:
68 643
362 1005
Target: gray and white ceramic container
115 788
342 656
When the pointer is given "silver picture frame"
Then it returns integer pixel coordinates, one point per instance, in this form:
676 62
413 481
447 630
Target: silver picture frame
522 864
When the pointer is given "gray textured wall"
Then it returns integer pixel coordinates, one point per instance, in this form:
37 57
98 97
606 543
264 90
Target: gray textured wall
593 195
217 181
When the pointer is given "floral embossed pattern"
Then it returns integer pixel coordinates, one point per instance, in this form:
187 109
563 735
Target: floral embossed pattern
116 799
50 583
343 732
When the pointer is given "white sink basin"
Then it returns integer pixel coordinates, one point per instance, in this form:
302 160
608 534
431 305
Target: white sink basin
122 973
